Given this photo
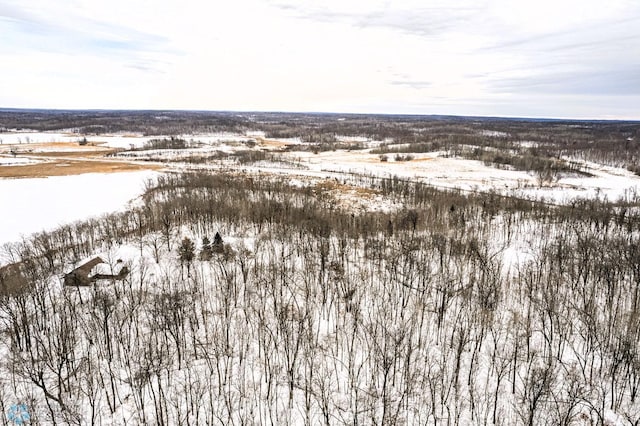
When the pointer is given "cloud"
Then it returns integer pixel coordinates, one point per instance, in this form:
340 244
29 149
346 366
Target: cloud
481 57
29 31
412 84
156 67
595 58
605 81
416 20
7 11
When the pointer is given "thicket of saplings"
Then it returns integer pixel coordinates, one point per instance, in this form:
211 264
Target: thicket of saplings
223 158
174 149
314 315
178 143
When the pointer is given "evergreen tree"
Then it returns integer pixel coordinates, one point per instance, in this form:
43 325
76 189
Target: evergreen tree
206 251
186 253
218 244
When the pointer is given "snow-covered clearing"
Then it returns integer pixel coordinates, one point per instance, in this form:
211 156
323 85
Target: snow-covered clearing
115 140
25 137
126 141
494 133
449 172
607 182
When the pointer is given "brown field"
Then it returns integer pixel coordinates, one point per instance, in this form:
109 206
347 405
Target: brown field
273 144
64 159
78 154
71 167
53 146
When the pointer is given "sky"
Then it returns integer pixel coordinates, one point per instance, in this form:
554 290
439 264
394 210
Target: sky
515 58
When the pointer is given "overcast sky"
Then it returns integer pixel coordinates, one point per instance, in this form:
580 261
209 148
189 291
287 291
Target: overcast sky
542 58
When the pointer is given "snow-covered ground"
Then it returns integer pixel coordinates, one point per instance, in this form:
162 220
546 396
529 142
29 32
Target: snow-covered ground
15 161
33 205
111 140
448 172
435 168
10 138
494 133
610 182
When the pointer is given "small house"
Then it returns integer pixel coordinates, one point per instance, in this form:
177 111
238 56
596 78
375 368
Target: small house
79 277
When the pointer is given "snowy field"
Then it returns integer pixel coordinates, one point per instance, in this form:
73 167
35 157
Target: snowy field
33 205
448 172
110 140
116 141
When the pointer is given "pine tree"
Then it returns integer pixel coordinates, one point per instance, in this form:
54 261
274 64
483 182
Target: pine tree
186 253
218 244
206 251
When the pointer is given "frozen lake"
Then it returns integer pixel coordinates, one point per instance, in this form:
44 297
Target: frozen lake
33 205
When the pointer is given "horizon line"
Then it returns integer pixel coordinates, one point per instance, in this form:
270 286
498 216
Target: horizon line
382 114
